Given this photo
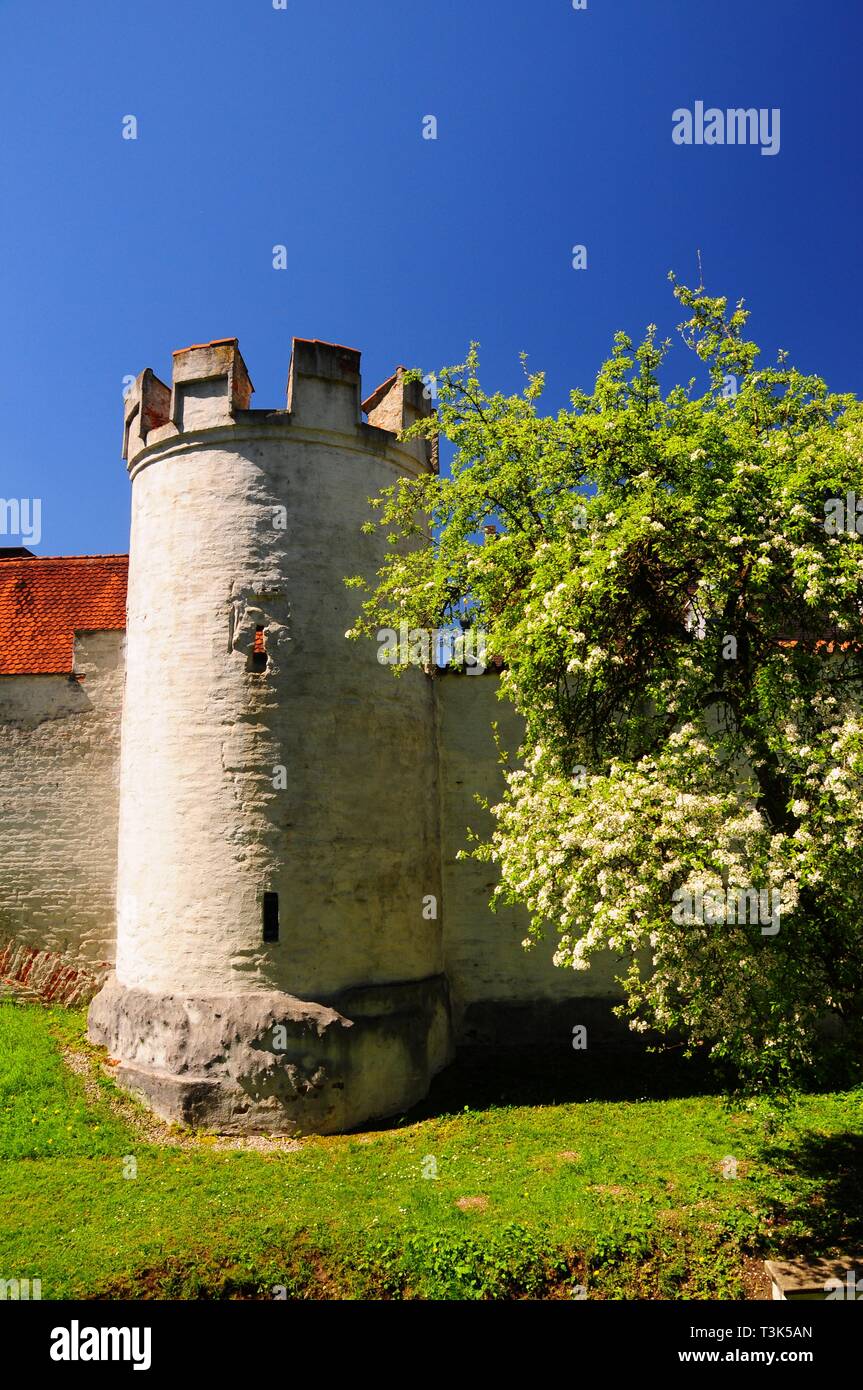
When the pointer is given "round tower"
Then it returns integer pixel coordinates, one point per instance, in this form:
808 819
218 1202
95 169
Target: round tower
276 969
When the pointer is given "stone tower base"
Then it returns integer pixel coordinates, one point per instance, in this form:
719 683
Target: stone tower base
269 1063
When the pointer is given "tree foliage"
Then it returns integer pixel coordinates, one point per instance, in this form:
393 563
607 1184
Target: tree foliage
682 631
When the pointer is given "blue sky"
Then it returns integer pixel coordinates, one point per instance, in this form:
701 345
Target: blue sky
303 127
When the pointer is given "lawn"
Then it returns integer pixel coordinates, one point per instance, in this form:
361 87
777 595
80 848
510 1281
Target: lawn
600 1188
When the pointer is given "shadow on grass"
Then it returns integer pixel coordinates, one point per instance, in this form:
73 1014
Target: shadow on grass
525 1055
820 1208
483 1077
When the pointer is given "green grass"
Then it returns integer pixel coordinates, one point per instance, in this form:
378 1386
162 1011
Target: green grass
623 1196
43 1113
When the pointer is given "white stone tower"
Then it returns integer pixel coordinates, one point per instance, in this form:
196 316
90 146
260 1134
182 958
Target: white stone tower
279 798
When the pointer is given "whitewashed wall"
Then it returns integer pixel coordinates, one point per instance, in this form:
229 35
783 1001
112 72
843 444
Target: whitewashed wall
59 750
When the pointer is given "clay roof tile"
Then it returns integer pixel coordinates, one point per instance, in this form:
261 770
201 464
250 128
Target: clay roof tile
45 600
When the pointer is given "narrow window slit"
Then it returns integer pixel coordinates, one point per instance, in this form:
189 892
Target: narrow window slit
258 656
271 916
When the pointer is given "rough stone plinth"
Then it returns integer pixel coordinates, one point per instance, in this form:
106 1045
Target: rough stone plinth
270 1063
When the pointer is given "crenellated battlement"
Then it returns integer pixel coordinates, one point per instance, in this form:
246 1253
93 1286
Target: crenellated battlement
210 384
211 388
147 408
324 385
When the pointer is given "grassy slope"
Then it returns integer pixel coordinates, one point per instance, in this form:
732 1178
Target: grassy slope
626 1197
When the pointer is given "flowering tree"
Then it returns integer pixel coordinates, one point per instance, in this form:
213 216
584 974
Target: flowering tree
675 592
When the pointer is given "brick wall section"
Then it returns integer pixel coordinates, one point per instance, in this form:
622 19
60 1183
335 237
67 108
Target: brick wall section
59 758
45 975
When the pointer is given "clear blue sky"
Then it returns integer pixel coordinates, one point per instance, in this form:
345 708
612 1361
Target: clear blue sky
304 127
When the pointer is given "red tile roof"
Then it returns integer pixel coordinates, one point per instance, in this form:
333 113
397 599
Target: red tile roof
44 601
